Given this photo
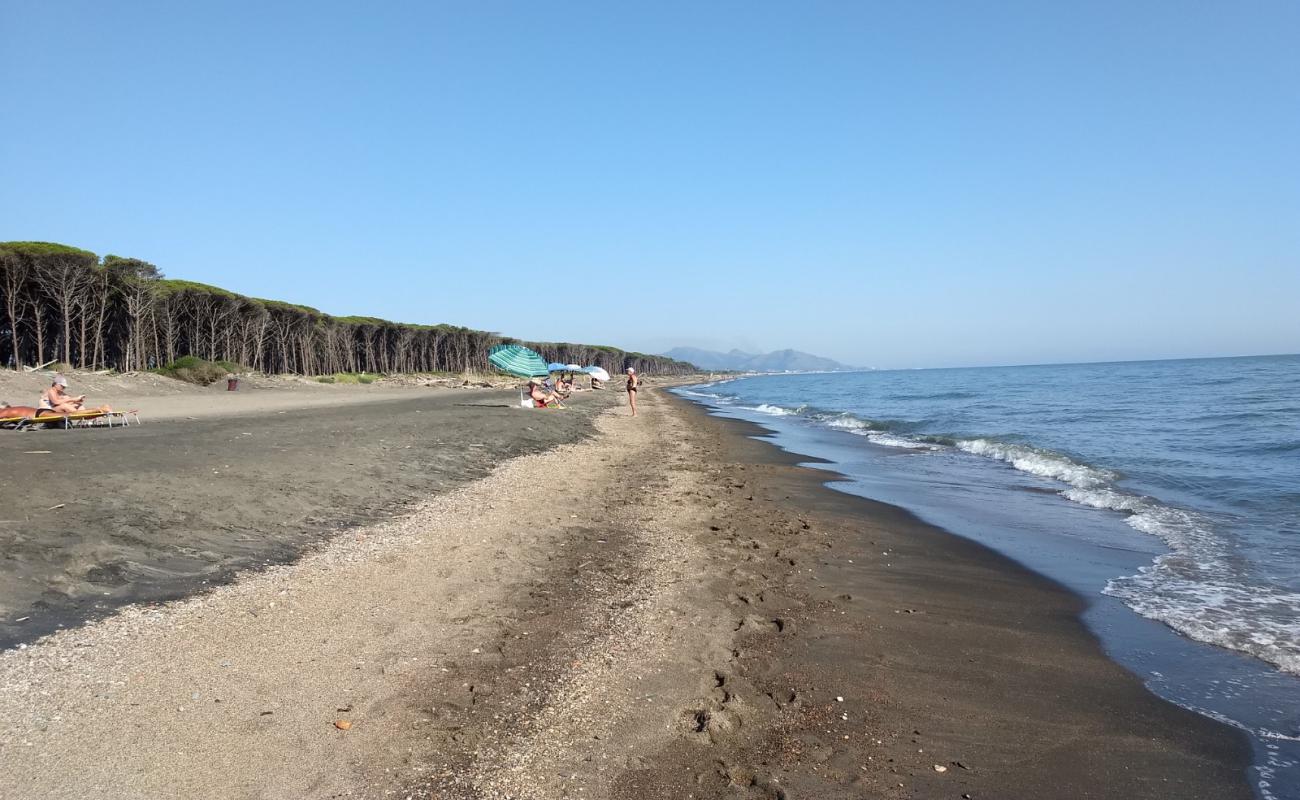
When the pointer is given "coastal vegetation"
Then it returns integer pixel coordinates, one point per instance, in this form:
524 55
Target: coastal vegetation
62 303
349 377
193 369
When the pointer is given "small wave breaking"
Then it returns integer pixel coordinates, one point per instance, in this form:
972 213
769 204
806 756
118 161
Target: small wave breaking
1036 461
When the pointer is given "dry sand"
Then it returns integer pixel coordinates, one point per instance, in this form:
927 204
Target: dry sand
156 397
665 609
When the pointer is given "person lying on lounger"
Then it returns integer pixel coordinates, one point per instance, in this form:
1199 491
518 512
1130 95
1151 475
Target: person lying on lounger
8 411
56 400
541 397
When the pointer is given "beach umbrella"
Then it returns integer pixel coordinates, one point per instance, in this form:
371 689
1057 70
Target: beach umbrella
517 360
572 368
597 373
556 366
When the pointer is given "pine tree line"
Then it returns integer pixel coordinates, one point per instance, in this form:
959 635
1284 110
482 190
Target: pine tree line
61 303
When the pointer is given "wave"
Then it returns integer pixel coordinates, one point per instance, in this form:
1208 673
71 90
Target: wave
775 411
1036 461
708 397
875 431
1258 620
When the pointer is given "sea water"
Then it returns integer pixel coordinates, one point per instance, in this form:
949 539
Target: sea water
1166 493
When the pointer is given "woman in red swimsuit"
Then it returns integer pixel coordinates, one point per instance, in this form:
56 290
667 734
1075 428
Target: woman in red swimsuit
541 398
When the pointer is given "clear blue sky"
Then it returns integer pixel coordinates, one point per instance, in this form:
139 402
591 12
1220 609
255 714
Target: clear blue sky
901 184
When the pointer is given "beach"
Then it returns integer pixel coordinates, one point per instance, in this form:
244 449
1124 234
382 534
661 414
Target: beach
426 592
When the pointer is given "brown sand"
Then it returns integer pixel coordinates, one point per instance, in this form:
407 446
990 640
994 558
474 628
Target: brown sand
666 609
156 397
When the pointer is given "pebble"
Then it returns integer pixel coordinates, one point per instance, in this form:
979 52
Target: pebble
940 768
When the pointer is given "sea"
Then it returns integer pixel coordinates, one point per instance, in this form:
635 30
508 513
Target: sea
1165 493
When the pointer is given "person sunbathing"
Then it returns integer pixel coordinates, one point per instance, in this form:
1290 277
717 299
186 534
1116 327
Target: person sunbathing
55 400
14 412
541 397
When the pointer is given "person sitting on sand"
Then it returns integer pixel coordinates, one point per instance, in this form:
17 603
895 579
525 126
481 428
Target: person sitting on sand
556 387
56 400
541 397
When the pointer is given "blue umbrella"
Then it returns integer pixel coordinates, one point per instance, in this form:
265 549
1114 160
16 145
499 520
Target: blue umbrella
517 360
556 366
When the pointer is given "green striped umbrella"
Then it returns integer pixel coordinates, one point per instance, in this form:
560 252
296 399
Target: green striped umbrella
518 360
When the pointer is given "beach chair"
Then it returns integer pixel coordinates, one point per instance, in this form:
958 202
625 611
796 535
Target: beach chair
29 420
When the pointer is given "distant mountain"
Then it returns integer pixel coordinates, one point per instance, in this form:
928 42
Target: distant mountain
739 360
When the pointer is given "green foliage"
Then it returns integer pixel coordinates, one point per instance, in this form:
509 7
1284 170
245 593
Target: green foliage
35 249
131 268
122 313
350 377
280 304
172 286
193 369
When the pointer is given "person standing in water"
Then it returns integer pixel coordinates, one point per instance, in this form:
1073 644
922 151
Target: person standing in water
632 383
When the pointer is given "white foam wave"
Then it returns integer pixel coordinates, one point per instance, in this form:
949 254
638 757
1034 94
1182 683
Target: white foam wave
1043 463
1260 620
851 424
776 411
1106 498
845 422
890 440
709 397
1196 589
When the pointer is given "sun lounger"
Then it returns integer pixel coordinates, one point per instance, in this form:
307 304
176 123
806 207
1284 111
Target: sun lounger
79 419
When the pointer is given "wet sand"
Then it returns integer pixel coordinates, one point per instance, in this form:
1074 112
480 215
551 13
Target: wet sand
664 609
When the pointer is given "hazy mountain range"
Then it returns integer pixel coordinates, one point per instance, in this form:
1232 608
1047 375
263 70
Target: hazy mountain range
739 360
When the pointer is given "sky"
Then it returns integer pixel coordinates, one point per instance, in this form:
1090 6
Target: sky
887 184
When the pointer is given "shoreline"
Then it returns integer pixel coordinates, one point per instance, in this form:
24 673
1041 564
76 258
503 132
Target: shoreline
662 609
944 606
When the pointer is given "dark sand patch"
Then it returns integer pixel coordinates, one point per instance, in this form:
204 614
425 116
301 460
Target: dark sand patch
149 513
